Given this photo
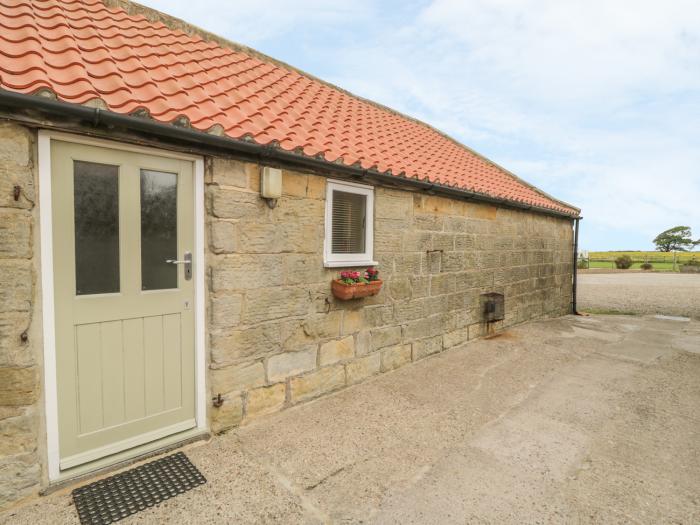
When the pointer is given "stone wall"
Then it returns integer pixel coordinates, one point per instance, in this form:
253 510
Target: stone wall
277 335
20 471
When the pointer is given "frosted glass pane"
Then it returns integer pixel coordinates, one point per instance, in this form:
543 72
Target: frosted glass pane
348 222
158 230
96 209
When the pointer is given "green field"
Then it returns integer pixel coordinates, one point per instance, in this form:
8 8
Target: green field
652 257
665 266
660 260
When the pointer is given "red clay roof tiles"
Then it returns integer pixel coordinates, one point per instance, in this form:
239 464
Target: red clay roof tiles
82 50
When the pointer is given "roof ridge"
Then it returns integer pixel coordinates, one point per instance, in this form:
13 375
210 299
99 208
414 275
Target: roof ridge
177 24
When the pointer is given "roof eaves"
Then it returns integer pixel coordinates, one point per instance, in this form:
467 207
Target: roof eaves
174 23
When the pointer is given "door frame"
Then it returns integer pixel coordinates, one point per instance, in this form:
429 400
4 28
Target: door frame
47 282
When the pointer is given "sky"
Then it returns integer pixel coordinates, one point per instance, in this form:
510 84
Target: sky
596 102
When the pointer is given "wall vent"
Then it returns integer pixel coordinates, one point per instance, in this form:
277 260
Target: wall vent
493 307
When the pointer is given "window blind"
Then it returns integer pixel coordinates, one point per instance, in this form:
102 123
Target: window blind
348 230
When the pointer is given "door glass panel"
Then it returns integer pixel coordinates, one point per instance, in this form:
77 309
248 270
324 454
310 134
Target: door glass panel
158 229
96 211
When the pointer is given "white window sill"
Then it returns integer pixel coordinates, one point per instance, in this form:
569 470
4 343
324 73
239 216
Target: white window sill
346 264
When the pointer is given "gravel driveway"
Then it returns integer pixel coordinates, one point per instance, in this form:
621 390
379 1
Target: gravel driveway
572 420
648 293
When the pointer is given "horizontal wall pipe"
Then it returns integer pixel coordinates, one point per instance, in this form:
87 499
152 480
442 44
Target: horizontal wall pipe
103 118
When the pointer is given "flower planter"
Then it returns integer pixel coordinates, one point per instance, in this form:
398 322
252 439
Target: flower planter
345 292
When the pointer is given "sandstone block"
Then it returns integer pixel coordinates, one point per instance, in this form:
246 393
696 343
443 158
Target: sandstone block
428 222
19 477
393 206
381 337
407 263
456 337
464 242
317 383
417 241
15 234
409 310
230 347
290 209
353 321
225 311
305 269
436 205
15 285
294 183
228 415
15 145
316 188
335 351
18 386
265 400
11 176
360 369
419 286
259 237
400 288
455 224
482 211
395 357
443 241
323 326
454 262
274 303
12 351
387 241
425 347
302 237
243 272
287 364
432 262
18 435
378 315
237 204
223 237
229 172
424 327
442 284
237 378
363 343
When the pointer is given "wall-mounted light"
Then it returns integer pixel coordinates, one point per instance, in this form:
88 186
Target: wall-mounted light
271 185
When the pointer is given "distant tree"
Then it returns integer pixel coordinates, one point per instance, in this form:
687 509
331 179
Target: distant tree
677 239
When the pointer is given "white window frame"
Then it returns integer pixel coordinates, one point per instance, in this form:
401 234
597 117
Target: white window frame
338 260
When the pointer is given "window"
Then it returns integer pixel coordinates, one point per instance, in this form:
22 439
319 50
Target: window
349 224
96 216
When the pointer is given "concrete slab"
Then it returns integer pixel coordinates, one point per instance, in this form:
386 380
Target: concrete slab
578 419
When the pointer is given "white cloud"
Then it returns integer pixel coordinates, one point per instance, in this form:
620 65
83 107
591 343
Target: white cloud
252 23
596 101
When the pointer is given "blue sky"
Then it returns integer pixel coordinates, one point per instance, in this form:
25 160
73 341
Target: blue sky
596 102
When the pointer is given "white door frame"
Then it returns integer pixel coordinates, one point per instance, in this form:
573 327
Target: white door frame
47 280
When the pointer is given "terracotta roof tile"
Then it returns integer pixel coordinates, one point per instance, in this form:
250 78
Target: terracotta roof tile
82 50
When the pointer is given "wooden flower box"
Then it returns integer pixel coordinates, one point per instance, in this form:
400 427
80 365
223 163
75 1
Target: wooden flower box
345 292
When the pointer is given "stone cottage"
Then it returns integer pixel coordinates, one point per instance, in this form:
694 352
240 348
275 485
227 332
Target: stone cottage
173 209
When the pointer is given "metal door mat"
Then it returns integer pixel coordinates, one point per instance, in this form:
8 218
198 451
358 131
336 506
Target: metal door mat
114 498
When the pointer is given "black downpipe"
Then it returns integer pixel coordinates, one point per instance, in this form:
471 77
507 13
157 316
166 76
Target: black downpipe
573 290
97 117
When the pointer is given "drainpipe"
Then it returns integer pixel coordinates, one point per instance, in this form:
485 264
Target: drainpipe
574 309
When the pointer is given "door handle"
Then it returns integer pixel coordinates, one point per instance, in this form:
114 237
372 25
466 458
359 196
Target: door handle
187 261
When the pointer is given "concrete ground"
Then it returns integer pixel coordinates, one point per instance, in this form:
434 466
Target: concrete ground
647 293
578 419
